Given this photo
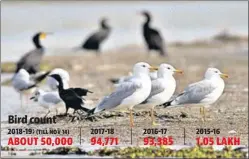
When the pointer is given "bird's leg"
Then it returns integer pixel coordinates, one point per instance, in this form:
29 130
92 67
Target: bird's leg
131 118
47 113
27 99
202 112
153 117
65 114
21 99
207 113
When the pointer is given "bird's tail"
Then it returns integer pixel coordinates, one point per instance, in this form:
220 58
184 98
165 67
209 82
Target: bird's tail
90 112
31 86
167 104
81 91
114 80
85 109
88 91
42 76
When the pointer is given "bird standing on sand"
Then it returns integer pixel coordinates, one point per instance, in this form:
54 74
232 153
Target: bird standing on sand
162 88
129 93
53 84
203 93
71 96
47 100
94 41
31 60
23 83
152 37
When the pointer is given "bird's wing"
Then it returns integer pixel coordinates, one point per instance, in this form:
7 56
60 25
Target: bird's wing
121 79
98 36
21 86
195 93
30 59
123 91
39 77
156 38
70 95
21 75
21 82
126 79
81 91
51 97
156 87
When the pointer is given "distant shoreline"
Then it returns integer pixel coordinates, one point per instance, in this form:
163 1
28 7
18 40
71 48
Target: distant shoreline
217 41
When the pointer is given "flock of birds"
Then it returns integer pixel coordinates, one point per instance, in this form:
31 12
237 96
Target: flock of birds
31 60
146 86
140 88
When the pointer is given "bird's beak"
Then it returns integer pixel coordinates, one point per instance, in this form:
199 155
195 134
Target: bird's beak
43 35
89 91
178 71
153 69
223 75
32 98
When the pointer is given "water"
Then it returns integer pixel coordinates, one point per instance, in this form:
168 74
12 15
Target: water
72 22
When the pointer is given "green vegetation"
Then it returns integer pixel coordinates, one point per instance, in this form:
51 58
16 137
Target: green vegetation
6 82
163 151
195 152
65 150
141 152
10 67
226 37
215 41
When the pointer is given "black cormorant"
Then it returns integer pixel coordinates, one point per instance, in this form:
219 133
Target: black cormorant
71 96
31 60
152 37
94 41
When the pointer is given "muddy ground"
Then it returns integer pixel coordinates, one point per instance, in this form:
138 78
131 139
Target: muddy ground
230 112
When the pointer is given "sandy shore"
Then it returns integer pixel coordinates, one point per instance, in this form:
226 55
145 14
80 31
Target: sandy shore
94 72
